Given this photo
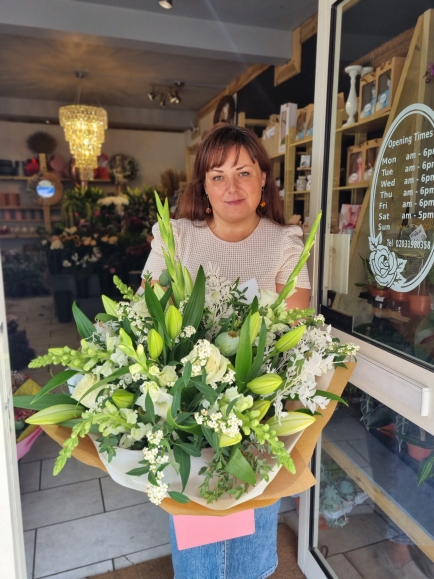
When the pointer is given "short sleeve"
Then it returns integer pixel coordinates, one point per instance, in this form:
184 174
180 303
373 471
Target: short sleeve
155 263
292 247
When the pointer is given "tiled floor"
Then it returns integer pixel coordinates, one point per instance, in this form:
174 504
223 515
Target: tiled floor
79 523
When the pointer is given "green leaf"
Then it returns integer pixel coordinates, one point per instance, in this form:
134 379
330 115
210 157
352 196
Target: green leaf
207 390
259 358
425 469
138 471
243 360
55 381
48 400
230 406
156 311
330 396
109 306
193 310
166 298
186 375
190 448
178 497
238 467
84 325
211 436
105 318
149 406
192 428
176 402
152 479
183 459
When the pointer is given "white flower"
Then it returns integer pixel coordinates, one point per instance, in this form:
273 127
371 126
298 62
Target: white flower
267 298
83 386
129 415
140 308
137 433
105 369
163 403
215 366
119 358
56 244
167 376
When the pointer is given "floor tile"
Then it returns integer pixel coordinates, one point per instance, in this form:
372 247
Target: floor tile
29 546
43 448
116 496
140 556
29 476
74 471
84 572
100 537
60 504
360 531
343 568
287 504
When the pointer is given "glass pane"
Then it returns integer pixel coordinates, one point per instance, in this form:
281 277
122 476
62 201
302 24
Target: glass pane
379 260
375 495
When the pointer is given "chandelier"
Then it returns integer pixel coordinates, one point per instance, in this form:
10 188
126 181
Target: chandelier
84 130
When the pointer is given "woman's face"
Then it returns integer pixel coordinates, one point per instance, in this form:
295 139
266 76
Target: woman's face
234 188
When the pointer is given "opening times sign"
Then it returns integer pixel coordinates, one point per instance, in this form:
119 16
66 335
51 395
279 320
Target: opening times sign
401 217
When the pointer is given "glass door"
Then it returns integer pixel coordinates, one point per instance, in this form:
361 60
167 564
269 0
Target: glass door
370 515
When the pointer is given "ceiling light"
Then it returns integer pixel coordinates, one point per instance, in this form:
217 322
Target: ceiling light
165 4
162 99
152 94
84 130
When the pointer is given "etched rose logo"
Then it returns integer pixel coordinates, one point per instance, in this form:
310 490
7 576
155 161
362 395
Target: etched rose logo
385 265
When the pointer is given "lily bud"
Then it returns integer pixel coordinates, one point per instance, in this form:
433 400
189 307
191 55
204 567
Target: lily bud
225 440
173 319
158 290
187 281
155 344
291 423
290 339
255 324
122 398
56 414
265 384
262 407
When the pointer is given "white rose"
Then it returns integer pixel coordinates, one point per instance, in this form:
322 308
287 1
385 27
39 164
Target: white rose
83 386
167 376
216 366
159 396
140 308
267 298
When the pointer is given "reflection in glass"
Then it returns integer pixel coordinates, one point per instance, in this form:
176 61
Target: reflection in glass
375 494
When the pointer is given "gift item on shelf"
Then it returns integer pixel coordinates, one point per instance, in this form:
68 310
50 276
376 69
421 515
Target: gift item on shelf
309 120
352 104
288 119
270 136
308 182
6 168
372 148
355 164
368 93
388 75
300 184
300 127
31 167
348 218
305 161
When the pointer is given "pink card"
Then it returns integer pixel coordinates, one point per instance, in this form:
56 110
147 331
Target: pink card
196 531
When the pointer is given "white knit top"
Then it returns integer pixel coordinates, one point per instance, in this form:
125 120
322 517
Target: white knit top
269 254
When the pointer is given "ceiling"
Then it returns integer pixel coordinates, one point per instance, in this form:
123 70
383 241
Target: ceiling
129 46
275 14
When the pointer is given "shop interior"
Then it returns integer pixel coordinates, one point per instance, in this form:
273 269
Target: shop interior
67 227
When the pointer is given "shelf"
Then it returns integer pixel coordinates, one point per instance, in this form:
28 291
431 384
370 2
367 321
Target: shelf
20 178
351 187
301 142
304 169
19 236
295 192
371 123
277 156
22 220
18 207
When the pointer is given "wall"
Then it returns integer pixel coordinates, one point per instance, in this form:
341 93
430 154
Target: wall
154 151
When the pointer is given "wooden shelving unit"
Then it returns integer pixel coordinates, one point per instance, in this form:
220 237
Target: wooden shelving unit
21 178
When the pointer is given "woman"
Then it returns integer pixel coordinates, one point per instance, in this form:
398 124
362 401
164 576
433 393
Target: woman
231 218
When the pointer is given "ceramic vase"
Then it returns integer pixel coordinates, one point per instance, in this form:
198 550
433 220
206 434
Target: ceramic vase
352 104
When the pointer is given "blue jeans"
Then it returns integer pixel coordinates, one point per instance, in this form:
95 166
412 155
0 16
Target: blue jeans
250 557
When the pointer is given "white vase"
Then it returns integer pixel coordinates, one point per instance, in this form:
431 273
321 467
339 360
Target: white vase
351 106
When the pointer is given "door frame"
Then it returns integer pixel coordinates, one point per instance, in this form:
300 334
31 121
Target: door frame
12 554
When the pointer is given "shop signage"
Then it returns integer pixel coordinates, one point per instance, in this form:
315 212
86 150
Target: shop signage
401 218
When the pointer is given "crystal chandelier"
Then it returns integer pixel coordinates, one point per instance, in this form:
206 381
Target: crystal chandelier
84 130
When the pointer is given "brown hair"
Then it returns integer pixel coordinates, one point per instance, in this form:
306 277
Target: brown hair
213 152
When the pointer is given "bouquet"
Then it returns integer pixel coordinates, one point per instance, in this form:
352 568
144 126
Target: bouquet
184 390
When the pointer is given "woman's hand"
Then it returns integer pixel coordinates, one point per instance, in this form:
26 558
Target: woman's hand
300 300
